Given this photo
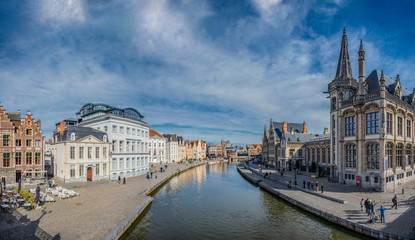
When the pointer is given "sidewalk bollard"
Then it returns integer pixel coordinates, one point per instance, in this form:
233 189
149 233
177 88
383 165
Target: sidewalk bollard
403 191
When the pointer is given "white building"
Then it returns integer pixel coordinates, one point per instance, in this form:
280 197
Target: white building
80 154
172 148
127 133
157 147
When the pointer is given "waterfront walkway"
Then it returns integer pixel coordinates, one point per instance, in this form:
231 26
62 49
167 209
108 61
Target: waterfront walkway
100 207
400 221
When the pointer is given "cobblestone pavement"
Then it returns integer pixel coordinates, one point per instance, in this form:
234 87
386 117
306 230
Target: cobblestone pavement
92 215
401 220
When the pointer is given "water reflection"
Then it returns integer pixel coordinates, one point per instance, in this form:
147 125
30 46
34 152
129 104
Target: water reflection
215 202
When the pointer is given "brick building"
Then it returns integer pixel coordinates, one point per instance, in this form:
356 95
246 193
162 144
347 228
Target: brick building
21 150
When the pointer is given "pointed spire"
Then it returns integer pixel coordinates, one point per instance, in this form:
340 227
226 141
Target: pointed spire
344 68
397 79
361 46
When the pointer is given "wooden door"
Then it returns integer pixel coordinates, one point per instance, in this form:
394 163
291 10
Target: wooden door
89 174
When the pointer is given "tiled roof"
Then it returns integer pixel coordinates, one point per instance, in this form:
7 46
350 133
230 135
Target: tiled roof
80 132
373 83
299 137
155 133
298 128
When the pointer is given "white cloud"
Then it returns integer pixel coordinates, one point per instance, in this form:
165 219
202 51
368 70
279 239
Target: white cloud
61 11
161 60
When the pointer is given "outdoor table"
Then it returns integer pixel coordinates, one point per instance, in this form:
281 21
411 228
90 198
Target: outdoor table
20 201
27 205
5 201
17 196
5 206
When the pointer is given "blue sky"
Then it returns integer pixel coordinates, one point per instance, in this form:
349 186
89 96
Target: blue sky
203 69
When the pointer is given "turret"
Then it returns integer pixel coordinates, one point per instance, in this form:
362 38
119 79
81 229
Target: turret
398 87
362 84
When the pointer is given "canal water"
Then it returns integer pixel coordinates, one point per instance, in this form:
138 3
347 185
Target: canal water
215 202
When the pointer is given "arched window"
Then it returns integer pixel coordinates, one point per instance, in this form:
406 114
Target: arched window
333 104
72 136
399 149
389 154
372 156
408 155
350 155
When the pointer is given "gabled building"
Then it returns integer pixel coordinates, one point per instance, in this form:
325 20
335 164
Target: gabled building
21 150
181 149
272 137
254 150
172 147
157 147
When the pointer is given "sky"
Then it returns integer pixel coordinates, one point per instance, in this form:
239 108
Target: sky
206 70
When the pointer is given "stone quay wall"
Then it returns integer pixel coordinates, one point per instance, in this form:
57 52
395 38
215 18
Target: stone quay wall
333 218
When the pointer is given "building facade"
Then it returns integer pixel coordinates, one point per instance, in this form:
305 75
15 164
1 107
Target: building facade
372 122
271 143
172 147
80 154
317 152
211 150
127 133
157 149
21 150
181 149
254 150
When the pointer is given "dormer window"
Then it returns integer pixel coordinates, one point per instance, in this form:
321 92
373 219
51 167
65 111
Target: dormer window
105 138
73 136
398 92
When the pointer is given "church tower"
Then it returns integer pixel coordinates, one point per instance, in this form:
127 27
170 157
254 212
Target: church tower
340 89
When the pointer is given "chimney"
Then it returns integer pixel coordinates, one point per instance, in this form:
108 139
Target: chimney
284 127
292 130
326 131
61 127
304 127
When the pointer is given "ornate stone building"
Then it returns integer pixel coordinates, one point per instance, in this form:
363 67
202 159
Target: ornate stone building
372 126
317 152
272 139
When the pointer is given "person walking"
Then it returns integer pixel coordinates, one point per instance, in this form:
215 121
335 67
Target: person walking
316 186
395 202
382 214
119 179
53 182
50 184
372 210
322 188
367 204
123 181
361 204
312 186
14 203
